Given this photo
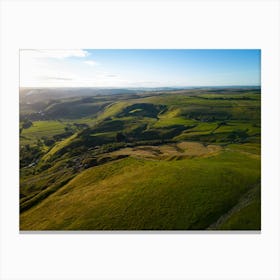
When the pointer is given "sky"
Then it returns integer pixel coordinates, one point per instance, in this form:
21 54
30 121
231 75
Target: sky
139 68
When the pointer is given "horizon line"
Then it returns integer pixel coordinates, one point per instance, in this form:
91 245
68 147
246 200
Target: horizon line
136 87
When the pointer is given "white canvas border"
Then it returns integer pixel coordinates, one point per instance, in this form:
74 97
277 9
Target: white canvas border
140 24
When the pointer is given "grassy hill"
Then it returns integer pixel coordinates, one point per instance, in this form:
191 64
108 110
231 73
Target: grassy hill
151 161
135 193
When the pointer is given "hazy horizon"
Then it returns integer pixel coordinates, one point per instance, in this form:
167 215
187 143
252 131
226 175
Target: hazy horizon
131 87
155 68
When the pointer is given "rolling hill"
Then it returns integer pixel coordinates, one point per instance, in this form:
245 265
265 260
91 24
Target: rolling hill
153 160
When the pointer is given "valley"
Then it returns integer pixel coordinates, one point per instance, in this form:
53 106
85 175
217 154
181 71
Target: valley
162 159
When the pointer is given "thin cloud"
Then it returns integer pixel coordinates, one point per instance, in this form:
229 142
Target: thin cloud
58 78
92 62
58 54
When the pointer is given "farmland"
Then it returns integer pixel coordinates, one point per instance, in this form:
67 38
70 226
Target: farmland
184 159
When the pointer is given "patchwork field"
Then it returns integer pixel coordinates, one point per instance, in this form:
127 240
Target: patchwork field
161 160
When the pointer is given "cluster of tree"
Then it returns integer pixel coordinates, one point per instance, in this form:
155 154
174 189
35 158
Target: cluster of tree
63 135
161 134
29 155
48 141
26 124
38 116
238 136
208 116
120 137
81 125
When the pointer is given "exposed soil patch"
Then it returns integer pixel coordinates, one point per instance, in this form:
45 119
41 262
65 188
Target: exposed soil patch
176 151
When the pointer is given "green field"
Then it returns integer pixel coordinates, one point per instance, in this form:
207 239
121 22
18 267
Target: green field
186 160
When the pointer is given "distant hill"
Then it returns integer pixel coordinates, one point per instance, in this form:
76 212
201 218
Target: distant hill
33 95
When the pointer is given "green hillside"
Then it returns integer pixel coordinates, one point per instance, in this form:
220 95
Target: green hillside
186 160
134 193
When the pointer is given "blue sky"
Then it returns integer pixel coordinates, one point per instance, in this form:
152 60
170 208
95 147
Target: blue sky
139 68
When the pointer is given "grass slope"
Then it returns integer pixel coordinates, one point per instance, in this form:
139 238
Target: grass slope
58 146
139 194
192 161
40 129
